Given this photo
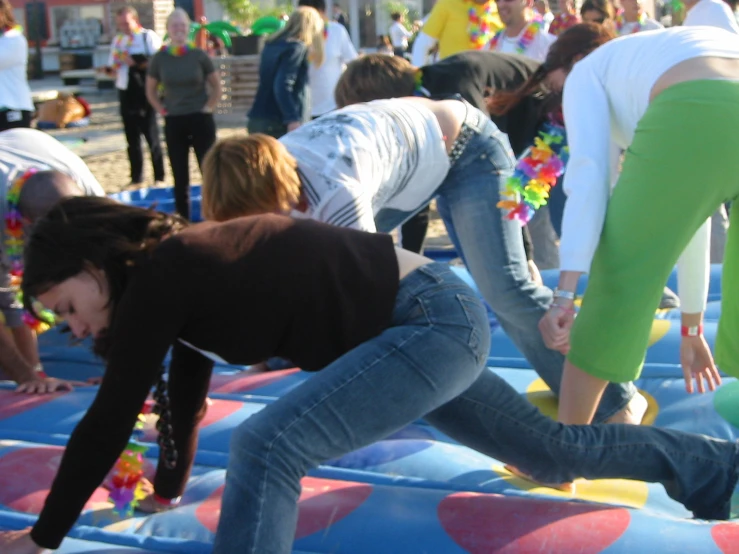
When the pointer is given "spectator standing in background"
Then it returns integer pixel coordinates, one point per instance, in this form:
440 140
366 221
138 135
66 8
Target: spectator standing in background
338 51
16 105
399 35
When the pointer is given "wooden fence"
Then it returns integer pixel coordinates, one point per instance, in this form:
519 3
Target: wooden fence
239 78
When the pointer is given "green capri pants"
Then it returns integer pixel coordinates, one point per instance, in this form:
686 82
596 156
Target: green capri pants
681 166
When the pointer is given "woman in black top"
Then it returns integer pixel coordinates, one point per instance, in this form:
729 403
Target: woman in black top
391 336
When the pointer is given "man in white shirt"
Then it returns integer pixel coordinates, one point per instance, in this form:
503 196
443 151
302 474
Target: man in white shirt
338 51
633 19
399 35
128 61
521 35
59 173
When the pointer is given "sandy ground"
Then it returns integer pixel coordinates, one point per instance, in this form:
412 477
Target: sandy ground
104 149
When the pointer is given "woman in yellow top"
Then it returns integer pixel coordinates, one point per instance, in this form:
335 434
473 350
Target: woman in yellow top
456 25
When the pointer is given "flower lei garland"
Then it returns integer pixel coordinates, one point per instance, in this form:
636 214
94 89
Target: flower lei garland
419 89
621 22
536 173
325 30
11 28
527 37
480 27
14 242
177 51
127 487
121 45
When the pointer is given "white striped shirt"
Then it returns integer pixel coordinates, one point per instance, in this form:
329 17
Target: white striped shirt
363 158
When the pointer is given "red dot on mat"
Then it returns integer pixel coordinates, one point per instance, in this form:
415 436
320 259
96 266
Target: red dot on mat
484 523
12 403
726 536
26 475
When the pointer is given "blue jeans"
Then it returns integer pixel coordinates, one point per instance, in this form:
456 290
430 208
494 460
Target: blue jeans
492 250
430 363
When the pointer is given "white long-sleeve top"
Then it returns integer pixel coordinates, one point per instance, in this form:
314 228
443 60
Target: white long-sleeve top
713 13
15 93
605 96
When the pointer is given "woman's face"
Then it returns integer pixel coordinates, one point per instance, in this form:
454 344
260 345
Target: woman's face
592 16
82 302
178 29
555 80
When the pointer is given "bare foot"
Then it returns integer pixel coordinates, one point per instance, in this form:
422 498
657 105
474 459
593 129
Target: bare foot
633 413
565 487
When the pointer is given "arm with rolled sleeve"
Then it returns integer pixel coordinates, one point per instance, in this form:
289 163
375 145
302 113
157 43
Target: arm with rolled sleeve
285 81
693 271
586 183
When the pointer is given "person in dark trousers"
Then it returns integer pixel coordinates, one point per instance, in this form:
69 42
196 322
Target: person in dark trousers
192 88
129 55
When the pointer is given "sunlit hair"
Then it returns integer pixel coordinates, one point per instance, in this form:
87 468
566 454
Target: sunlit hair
305 25
248 176
373 77
573 44
7 19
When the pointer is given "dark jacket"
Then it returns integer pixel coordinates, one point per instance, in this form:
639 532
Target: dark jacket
472 74
283 94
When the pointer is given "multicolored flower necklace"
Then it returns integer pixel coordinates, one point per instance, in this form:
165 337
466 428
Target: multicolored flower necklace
14 242
9 28
480 26
536 173
325 30
179 50
121 44
621 22
527 37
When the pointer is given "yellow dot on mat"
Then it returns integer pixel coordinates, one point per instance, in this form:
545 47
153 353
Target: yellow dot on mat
622 492
539 394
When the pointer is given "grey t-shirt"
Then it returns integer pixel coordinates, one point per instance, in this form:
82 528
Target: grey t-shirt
184 79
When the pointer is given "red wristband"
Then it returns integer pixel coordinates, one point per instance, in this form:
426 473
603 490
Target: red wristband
691 331
169 502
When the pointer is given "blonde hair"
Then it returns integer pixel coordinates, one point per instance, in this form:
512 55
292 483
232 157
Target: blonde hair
305 25
178 12
248 176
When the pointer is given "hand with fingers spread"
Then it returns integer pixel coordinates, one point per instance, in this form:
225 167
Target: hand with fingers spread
698 365
46 385
19 542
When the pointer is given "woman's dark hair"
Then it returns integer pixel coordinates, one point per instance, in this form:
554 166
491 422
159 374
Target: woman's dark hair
85 232
573 44
603 7
7 19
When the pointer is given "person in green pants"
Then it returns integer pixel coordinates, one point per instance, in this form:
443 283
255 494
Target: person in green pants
670 99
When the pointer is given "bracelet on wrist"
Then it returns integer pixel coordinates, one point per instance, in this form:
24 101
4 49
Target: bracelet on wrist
39 370
691 330
168 502
564 294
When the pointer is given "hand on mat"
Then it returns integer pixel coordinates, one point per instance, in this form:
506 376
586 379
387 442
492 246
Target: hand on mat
47 385
697 362
556 324
19 542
